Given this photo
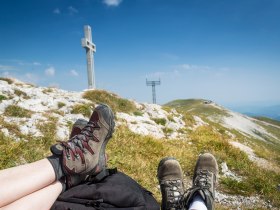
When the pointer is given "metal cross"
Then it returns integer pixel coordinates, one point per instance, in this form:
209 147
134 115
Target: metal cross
90 49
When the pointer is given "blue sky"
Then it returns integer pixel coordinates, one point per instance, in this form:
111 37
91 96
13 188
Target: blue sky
223 50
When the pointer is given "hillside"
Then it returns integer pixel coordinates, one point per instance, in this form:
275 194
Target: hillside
247 149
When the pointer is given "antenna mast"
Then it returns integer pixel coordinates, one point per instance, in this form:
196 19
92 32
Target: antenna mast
153 84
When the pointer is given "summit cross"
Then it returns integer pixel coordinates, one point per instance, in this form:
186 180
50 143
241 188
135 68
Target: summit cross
90 49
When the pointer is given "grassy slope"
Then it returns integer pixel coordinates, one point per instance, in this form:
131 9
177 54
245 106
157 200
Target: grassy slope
138 156
269 120
196 107
269 150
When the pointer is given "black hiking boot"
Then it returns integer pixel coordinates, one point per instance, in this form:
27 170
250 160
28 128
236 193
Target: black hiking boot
170 177
204 181
84 153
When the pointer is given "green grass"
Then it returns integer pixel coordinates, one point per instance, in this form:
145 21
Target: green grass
159 121
14 153
195 106
20 93
138 156
17 111
48 90
268 120
2 97
60 104
84 109
116 103
138 113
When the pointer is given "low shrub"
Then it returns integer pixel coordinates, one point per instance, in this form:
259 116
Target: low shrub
10 81
160 121
60 104
116 103
2 97
17 111
84 109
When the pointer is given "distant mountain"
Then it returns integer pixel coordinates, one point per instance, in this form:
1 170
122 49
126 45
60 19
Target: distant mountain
266 111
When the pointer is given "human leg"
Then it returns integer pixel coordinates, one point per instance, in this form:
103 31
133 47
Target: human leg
204 183
72 158
23 180
42 199
20 181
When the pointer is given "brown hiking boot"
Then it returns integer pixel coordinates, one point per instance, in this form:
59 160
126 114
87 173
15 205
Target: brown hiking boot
77 127
84 153
204 181
170 178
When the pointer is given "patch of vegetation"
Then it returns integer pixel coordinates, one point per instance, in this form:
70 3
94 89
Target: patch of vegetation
84 109
170 118
167 130
21 93
17 111
14 153
12 128
159 121
116 103
48 90
10 81
268 120
2 97
48 129
58 112
188 119
60 104
138 113
197 107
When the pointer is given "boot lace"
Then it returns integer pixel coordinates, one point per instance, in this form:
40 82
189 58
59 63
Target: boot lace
78 144
174 194
203 181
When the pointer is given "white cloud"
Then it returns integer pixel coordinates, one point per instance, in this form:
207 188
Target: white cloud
36 63
74 73
56 11
72 10
50 71
112 3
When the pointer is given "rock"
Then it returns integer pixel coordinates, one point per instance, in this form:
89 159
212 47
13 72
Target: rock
229 174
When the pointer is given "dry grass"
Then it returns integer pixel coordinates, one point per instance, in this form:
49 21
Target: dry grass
138 156
84 109
17 111
10 81
115 102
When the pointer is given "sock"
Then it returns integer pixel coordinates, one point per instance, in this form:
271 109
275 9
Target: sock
63 183
197 204
55 162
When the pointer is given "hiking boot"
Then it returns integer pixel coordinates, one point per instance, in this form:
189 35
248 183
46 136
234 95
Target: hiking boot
84 153
77 127
204 181
170 178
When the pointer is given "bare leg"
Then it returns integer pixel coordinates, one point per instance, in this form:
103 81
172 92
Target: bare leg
42 199
23 180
